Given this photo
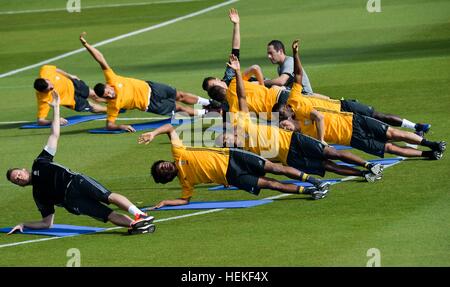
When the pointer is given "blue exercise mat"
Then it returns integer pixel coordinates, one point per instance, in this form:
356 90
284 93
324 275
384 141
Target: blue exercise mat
59 230
383 161
70 121
292 181
215 204
142 126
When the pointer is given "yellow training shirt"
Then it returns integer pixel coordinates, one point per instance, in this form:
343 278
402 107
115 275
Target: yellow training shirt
259 98
199 165
62 85
265 140
130 94
338 125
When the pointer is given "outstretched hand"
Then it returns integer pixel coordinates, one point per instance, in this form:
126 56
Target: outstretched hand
295 45
82 40
18 227
234 16
234 63
146 138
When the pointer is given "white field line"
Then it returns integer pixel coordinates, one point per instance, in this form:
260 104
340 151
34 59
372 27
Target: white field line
95 7
120 37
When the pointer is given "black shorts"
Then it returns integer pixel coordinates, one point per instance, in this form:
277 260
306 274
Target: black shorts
81 95
353 106
306 154
162 99
369 135
85 196
244 170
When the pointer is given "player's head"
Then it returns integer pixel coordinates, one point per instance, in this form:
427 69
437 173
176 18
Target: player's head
104 91
217 92
285 112
163 171
276 52
19 176
228 139
43 85
210 82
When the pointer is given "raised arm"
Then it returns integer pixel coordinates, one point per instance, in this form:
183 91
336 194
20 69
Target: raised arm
168 129
52 142
234 18
298 71
94 52
240 90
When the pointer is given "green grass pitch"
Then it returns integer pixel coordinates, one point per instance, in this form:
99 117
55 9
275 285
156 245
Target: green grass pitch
397 60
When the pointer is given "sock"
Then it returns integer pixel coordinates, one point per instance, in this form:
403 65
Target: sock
432 145
367 165
408 124
427 153
134 210
301 189
306 177
202 101
200 112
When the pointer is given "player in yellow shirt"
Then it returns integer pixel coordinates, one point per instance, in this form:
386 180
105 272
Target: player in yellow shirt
227 166
73 92
361 132
129 93
290 148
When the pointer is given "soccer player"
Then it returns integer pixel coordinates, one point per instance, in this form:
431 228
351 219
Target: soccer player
54 184
276 53
361 132
73 92
227 166
290 148
128 93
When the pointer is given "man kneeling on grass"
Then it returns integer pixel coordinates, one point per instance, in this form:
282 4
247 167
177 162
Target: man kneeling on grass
227 166
54 184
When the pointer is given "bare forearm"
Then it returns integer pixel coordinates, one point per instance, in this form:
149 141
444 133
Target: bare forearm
172 202
298 71
97 56
56 122
165 129
36 225
236 42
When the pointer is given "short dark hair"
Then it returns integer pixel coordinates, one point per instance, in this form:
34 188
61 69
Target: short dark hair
277 45
216 93
40 84
280 109
161 177
9 171
205 83
99 89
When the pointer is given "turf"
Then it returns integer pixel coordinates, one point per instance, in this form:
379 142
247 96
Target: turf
397 60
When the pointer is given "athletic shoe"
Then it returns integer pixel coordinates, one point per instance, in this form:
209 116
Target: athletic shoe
375 168
436 155
422 128
442 146
324 186
141 220
316 193
150 228
371 177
